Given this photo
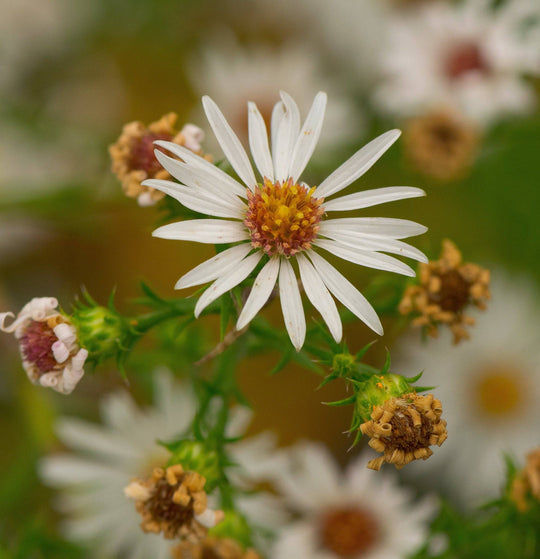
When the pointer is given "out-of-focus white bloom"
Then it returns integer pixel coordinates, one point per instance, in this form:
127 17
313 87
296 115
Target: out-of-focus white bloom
48 344
106 457
281 217
360 514
491 389
31 29
465 56
236 74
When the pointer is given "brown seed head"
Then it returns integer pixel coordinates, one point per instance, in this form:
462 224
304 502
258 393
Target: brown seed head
213 548
526 484
404 428
446 288
441 145
170 501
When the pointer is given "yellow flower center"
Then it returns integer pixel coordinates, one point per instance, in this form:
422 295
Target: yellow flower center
283 218
501 391
348 532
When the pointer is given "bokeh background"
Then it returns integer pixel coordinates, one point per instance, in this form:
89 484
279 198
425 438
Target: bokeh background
73 72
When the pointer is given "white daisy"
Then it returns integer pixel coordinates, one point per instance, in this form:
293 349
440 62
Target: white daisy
360 514
106 457
466 56
273 220
238 74
490 386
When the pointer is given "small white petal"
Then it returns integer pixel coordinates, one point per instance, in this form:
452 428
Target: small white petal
197 199
379 226
345 292
319 296
366 258
198 179
229 142
227 281
278 112
209 518
258 142
204 168
357 165
287 134
49 380
309 136
217 266
3 317
65 333
60 351
260 292
384 244
291 304
212 231
369 198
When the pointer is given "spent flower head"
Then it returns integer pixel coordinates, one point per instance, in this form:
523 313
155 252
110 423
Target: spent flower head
279 220
133 158
446 288
525 488
50 348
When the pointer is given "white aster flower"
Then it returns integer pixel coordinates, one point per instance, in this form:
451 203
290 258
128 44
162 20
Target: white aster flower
279 218
106 457
48 344
360 514
240 74
491 388
465 56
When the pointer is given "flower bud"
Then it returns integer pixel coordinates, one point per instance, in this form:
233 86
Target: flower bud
102 331
199 457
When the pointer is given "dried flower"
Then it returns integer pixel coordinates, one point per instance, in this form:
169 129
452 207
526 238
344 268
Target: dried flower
447 287
133 159
174 502
441 144
48 344
216 548
526 484
404 428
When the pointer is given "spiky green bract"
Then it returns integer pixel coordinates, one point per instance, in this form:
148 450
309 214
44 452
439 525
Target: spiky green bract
101 330
198 457
235 527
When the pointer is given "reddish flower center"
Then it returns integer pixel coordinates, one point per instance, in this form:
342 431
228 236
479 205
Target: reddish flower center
348 532
464 59
283 218
36 344
142 153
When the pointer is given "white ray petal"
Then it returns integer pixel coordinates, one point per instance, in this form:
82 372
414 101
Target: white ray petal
278 112
345 292
216 266
287 134
366 258
384 244
319 296
205 169
198 178
381 226
226 282
373 197
357 165
214 231
309 136
229 142
291 304
196 199
258 142
260 292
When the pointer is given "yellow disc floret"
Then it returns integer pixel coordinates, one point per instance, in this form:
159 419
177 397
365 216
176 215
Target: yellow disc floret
283 218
